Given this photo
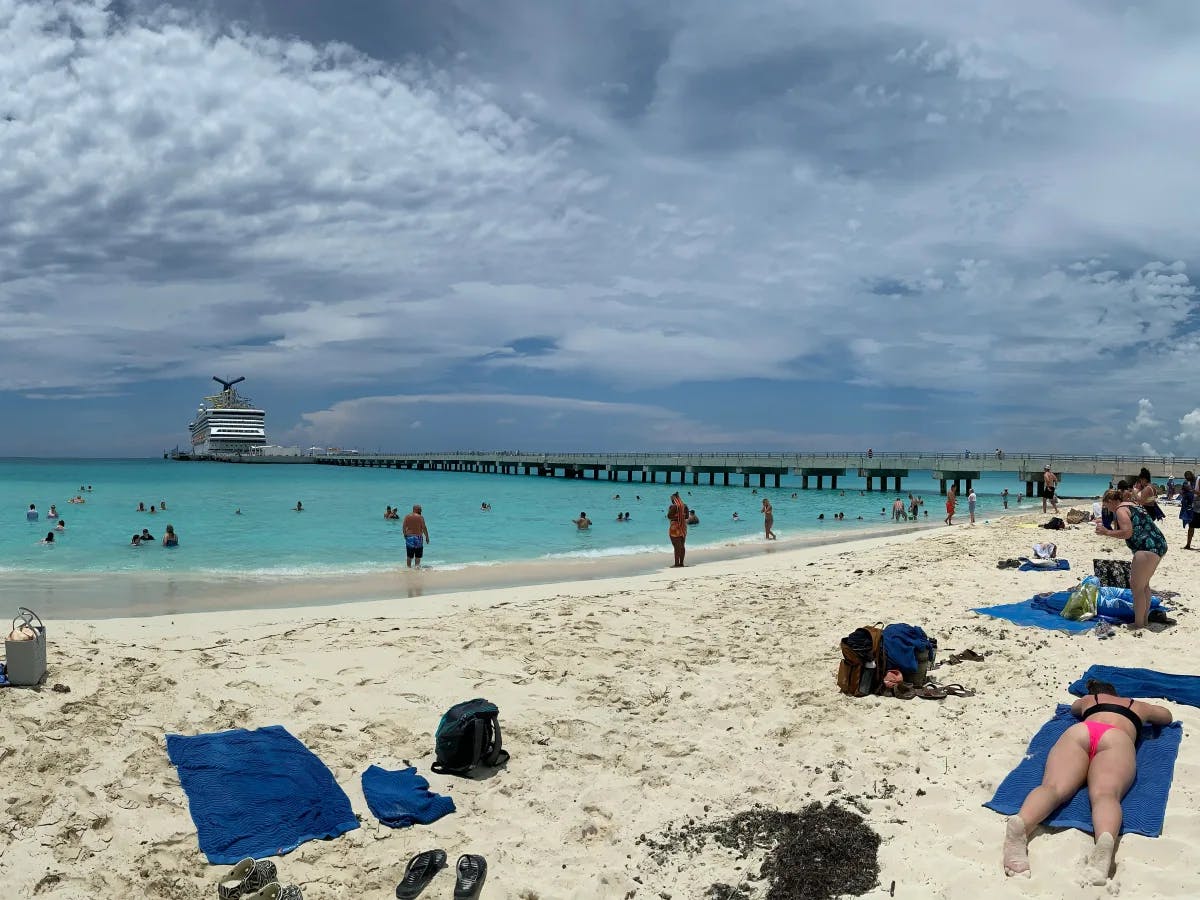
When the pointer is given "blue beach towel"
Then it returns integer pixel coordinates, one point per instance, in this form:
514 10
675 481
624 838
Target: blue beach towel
1061 565
1045 610
1037 615
1143 683
257 793
402 798
1145 805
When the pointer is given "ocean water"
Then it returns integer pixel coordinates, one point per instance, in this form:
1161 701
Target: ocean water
342 531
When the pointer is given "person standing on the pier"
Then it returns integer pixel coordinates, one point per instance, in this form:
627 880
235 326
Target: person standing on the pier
677 513
1049 488
768 519
416 536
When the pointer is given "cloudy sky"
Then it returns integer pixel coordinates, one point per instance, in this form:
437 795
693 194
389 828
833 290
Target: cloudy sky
592 225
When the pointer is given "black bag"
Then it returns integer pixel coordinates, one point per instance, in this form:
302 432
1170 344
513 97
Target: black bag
468 737
1055 524
1112 572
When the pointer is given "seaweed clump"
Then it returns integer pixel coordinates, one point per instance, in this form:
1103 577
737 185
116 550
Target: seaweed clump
822 852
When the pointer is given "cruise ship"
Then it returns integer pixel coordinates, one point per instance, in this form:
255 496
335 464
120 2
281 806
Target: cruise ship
227 423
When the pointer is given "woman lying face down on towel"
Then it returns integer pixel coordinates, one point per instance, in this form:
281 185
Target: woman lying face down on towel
1101 752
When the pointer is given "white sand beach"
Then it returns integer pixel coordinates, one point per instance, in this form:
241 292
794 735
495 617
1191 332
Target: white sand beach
629 705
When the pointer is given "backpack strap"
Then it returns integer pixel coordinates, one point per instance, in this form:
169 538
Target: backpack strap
496 754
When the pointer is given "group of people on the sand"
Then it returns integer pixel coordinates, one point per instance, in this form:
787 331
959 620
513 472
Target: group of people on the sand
1101 750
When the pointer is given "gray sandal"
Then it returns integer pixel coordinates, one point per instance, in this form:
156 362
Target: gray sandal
246 878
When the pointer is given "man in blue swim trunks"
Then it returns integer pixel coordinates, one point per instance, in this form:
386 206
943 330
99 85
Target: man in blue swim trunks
416 536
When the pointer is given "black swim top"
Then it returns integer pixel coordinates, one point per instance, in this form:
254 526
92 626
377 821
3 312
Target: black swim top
1126 711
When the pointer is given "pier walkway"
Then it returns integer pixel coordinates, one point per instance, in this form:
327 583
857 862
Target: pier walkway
682 468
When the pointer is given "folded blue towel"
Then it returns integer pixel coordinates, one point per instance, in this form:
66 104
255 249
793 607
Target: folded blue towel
1027 612
1143 683
402 798
902 642
257 793
1061 566
1145 805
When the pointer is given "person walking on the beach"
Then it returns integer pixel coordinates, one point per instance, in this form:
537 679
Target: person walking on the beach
971 500
1188 513
1100 752
416 536
1049 488
951 500
768 519
1133 524
677 513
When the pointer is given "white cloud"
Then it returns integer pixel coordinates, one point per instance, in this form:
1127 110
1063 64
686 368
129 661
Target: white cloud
902 196
1145 418
1189 433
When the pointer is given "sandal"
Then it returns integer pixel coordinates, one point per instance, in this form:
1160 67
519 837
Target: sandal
931 692
970 656
246 878
419 872
472 871
904 691
957 690
276 891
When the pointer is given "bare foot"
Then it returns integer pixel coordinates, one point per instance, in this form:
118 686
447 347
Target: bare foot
1016 851
1099 861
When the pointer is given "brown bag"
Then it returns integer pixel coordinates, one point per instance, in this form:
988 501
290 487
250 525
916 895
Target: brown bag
864 664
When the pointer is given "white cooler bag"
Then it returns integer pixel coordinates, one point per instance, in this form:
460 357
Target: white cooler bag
25 649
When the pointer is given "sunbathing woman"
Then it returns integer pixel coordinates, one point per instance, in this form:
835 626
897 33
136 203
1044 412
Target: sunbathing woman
1099 751
1132 524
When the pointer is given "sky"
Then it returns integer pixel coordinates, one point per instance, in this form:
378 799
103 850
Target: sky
778 225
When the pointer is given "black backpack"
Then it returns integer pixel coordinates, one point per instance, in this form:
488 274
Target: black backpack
468 737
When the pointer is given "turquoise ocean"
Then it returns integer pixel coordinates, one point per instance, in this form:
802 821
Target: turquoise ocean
342 531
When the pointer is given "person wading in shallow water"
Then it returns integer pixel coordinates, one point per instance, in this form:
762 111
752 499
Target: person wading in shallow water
416 536
677 513
768 519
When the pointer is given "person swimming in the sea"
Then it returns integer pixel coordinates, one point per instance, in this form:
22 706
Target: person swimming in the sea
61 526
170 539
48 539
299 506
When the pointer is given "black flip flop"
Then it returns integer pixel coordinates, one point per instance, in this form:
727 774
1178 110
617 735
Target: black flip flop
472 871
419 872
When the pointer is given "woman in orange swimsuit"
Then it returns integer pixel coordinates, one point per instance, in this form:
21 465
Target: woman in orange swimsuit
1101 752
951 499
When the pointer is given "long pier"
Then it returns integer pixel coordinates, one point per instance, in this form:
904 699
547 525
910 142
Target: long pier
876 468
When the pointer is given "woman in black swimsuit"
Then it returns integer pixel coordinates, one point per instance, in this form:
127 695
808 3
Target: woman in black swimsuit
1101 752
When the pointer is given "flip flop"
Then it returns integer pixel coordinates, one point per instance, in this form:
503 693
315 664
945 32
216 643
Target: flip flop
969 656
957 690
419 872
931 692
904 691
472 871
247 877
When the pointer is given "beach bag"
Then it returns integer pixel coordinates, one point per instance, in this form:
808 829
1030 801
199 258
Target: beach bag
1082 604
864 664
467 738
1055 524
1112 572
25 649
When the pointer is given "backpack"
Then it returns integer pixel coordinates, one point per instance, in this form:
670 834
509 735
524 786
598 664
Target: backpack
863 662
467 737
